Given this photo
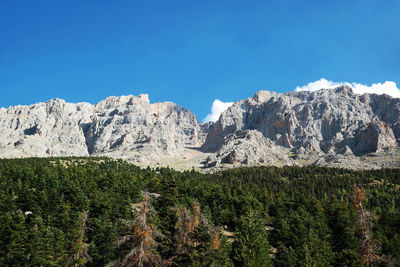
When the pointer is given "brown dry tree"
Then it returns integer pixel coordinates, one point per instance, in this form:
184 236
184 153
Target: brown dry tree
188 223
215 240
141 242
368 247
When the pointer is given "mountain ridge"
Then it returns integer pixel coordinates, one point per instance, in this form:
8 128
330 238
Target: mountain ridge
328 124
332 127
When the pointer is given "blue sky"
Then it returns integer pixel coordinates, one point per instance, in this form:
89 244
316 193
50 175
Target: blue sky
191 52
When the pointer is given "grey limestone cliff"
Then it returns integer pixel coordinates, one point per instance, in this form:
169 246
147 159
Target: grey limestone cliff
333 127
304 127
116 126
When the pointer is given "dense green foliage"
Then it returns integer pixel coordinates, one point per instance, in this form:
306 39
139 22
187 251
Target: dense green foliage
76 211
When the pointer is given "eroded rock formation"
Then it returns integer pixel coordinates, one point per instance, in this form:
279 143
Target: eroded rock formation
327 127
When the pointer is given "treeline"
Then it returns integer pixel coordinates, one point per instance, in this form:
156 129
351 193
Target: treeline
98 212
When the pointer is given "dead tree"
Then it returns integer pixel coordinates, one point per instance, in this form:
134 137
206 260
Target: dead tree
141 242
368 247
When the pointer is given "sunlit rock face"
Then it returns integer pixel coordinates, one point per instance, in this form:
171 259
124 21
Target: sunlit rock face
131 126
53 128
304 126
116 125
333 127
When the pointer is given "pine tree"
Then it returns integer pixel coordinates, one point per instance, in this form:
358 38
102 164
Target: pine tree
141 242
251 247
345 243
166 210
82 255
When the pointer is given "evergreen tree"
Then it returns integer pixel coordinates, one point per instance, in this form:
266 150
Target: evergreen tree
251 247
344 234
165 207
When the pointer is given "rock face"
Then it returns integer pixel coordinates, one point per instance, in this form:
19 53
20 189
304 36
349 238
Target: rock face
132 126
333 127
115 126
305 126
53 128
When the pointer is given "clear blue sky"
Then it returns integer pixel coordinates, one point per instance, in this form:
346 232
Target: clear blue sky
191 52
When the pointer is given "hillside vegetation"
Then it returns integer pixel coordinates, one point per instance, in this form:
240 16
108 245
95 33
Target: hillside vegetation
97 211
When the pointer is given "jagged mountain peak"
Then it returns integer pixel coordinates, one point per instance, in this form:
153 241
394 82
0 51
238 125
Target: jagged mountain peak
116 126
326 127
304 127
125 100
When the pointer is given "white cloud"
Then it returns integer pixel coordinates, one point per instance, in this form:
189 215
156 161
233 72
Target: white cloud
388 87
217 108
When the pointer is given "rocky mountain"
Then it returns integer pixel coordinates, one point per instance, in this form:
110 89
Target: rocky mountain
127 126
327 127
332 127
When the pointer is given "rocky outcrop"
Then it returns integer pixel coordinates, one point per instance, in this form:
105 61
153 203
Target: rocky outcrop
303 126
333 127
115 126
131 124
250 146
377 136
53 128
